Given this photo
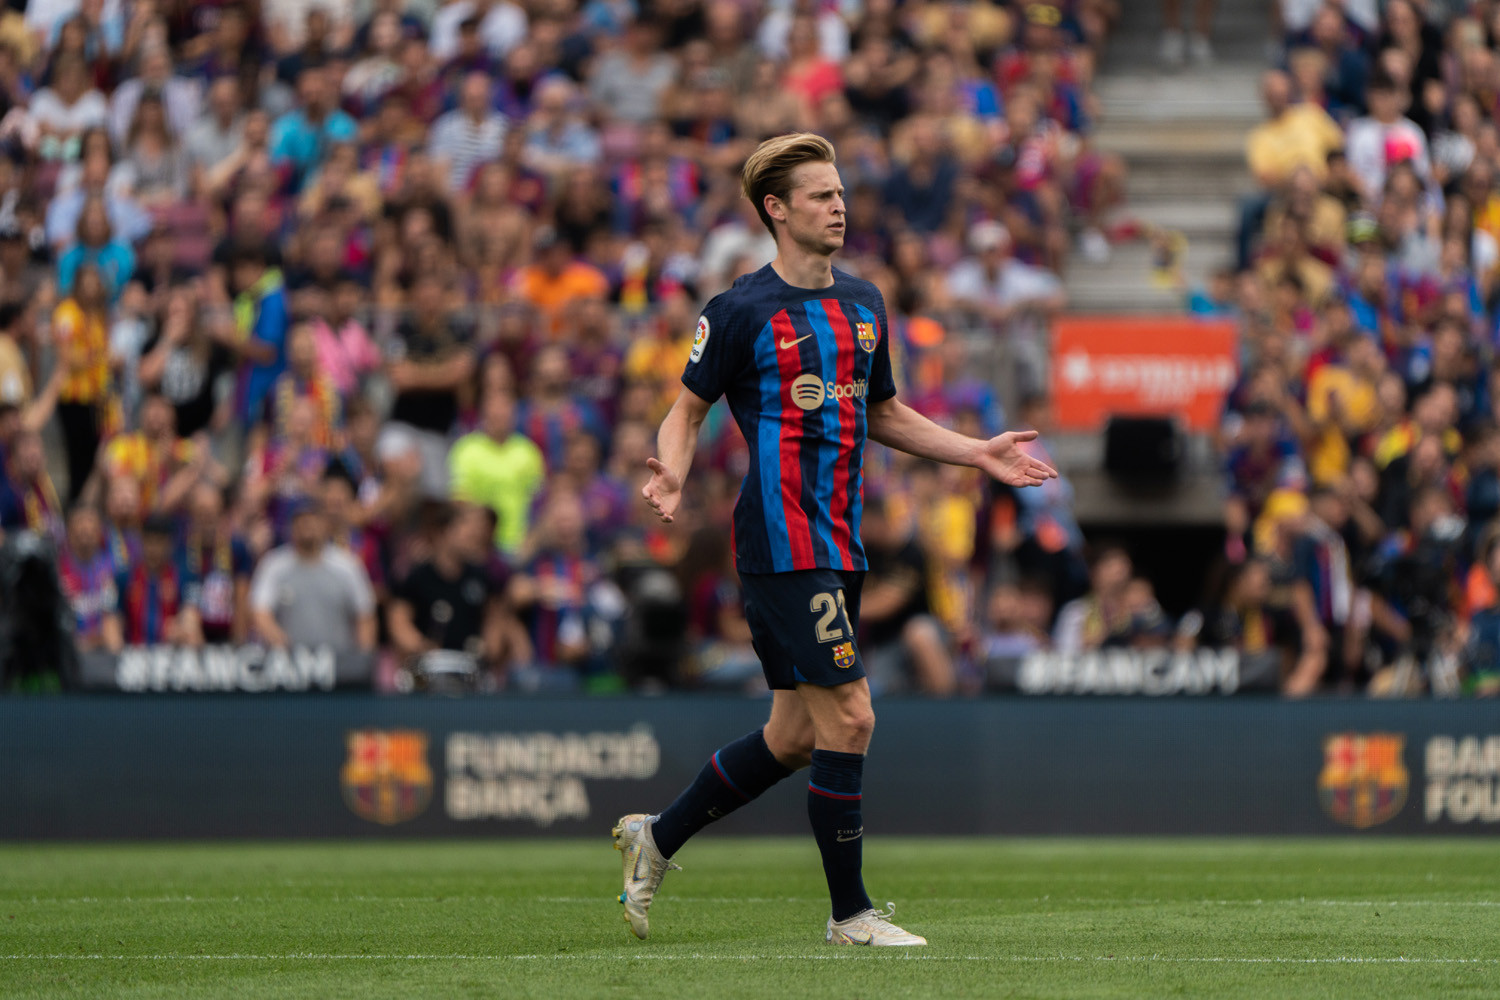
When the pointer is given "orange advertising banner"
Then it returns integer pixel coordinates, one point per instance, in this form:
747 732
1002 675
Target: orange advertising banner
1140 365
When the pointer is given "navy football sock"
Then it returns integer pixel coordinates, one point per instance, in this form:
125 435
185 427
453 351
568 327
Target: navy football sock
834 806
737 773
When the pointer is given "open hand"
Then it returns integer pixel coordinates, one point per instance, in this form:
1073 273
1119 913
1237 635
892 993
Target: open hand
1003 458
663 491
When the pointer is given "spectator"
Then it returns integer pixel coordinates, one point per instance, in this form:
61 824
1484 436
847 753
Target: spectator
448 602
557 279
630 79
1385 138
28 500
86 404
218 564
499 468
902 642
305 380
96 179
431 369
1103 616
558 139
346 352
1009 296
557 594
88 577
213 136
154 169
180 97
1481 654
310 594
151 610
62 112
257 336
95 248
469 135
187 366
163 465
1008 637
302 136
551 414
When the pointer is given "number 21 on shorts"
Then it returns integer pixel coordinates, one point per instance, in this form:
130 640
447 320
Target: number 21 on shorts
828 607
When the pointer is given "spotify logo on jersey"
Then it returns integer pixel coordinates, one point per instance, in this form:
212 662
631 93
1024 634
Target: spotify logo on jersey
809 391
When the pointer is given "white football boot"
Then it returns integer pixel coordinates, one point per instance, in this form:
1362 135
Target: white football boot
873 928
644 868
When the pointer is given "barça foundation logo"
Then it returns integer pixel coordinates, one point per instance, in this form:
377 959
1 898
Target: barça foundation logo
386 778
1364 777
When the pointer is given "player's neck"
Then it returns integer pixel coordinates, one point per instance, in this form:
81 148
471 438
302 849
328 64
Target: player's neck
801 268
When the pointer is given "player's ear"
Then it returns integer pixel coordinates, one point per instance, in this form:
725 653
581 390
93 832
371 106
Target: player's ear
775 208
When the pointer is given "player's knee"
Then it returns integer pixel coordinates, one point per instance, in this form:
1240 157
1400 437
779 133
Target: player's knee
857 722
792 747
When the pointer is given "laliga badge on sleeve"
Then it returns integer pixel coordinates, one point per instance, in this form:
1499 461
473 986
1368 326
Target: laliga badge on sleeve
700 339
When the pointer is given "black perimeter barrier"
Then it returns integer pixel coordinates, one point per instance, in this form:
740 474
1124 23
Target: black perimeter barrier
358 765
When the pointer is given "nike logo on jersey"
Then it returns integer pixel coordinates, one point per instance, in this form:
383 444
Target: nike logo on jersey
792 343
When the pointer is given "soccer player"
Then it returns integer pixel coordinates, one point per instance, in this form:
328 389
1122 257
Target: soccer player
800 348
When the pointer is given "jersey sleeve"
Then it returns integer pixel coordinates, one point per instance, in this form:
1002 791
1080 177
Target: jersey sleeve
882 379
715 356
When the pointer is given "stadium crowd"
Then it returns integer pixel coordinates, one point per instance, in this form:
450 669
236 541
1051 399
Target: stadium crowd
350 323
1361 445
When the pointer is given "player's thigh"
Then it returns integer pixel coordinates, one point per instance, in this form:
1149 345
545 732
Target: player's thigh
843 718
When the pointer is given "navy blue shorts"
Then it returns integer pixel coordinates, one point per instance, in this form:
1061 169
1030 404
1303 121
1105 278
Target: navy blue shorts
803 624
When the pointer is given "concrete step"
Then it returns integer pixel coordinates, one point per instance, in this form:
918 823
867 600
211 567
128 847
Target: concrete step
1149 148
1216 97
1125 284
1188 182
1204 220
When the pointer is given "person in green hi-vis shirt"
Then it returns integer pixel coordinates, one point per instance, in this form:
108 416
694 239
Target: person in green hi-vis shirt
499 468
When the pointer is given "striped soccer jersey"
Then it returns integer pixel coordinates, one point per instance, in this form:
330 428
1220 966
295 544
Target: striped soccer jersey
799 367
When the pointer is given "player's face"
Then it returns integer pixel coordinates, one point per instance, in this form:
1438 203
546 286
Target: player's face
815 208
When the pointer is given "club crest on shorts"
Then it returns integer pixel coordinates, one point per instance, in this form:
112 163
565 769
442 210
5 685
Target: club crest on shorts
386 778
1364 777
700 339
865 333
843 655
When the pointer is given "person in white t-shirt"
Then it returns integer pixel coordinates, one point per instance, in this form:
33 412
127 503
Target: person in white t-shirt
1012 297
63 111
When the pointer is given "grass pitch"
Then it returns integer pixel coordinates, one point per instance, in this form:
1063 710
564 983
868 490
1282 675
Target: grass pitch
1055 918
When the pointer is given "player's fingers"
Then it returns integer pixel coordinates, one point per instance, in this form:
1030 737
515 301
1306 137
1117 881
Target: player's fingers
1024 435
655 466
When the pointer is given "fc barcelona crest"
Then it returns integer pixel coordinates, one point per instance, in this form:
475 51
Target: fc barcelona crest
1364 777
386 778
843 655
866 335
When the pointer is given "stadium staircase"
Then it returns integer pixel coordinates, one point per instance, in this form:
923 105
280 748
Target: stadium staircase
1182 136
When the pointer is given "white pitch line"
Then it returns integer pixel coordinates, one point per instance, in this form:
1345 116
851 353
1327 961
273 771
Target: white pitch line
729 900
701 957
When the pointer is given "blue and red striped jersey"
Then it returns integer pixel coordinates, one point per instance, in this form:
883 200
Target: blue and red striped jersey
799 367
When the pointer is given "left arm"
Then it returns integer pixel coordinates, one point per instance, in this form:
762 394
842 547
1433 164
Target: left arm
898 426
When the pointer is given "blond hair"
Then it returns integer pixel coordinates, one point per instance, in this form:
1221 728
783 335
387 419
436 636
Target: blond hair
769 168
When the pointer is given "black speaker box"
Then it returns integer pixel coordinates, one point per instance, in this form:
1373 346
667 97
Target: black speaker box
1142 448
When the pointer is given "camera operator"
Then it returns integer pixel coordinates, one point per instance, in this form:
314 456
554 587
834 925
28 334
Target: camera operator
1413 601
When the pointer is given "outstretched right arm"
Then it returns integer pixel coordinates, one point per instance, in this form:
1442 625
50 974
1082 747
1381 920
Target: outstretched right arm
675 444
